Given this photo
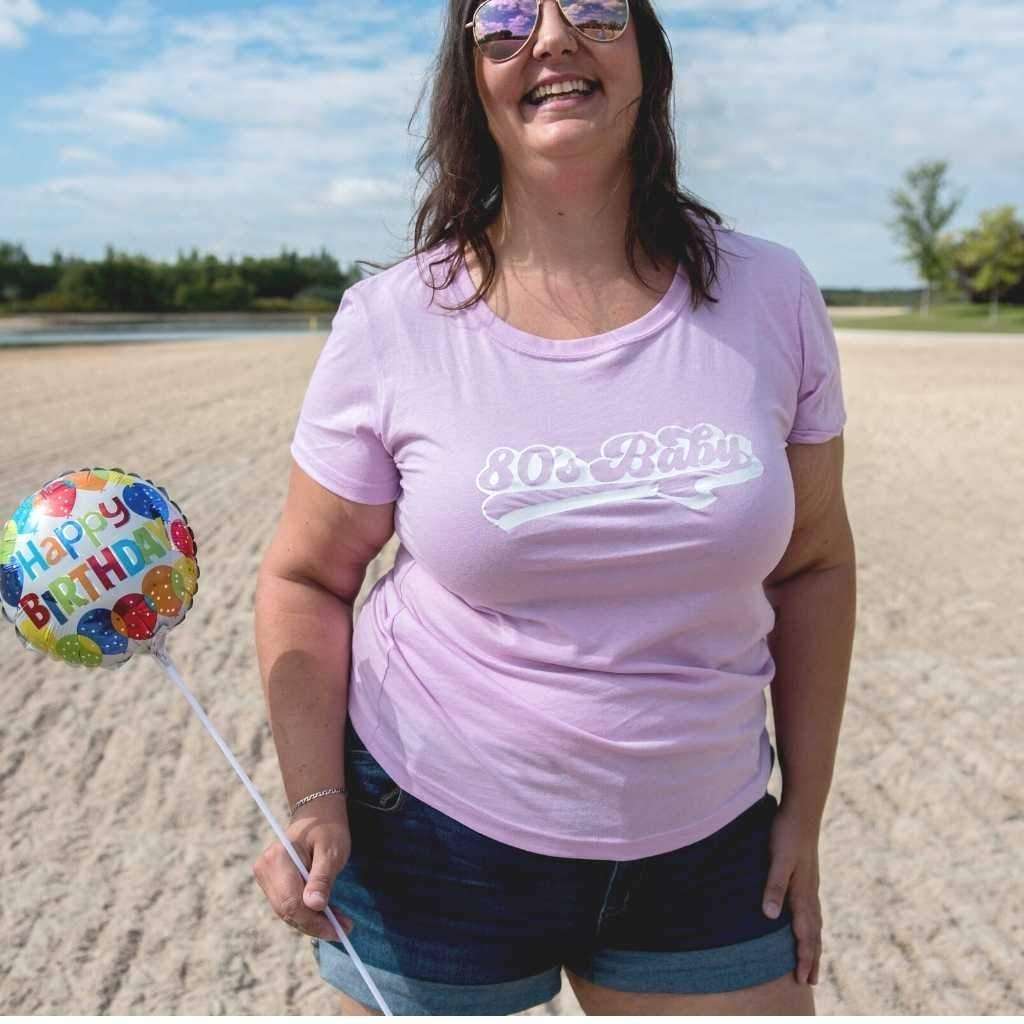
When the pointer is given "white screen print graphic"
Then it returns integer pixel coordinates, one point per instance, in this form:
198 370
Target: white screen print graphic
685 466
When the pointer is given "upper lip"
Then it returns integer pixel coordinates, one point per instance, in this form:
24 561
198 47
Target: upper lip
551 79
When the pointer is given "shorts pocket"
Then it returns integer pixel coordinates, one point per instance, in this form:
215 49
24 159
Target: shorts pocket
368 784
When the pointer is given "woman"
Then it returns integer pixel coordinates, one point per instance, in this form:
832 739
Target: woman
620 508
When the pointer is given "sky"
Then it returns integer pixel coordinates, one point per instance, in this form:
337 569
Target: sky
241 127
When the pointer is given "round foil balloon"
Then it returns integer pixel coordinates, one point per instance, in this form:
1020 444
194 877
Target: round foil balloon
95 566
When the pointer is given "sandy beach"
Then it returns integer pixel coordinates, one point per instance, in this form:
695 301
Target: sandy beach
126 868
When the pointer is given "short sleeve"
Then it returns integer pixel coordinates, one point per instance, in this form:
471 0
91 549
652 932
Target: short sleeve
337 439
820 411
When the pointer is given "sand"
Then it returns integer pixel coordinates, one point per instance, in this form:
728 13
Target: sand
126 870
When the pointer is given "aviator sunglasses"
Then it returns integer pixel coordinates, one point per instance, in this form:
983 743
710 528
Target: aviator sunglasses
501 28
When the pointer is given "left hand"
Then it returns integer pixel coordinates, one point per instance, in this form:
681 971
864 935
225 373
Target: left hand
794 872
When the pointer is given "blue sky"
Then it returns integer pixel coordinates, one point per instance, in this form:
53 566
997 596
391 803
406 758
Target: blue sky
240 127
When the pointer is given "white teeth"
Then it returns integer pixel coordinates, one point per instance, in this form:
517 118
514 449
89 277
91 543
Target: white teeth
541 91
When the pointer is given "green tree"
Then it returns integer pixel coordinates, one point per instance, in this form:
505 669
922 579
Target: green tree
288 274
921 215
20 278
993 254
125 282
118 282
78 288
214 294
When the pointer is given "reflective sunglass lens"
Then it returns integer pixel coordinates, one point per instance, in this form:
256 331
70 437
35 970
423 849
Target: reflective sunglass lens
599 20
503 26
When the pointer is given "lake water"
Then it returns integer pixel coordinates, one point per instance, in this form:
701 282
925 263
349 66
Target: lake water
106 334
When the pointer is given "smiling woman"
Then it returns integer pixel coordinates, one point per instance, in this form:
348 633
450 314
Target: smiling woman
468 155
550 716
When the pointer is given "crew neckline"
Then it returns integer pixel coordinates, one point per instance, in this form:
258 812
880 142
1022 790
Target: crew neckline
482 316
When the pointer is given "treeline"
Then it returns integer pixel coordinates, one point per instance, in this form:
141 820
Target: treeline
871 296
122 282
194 283
983 263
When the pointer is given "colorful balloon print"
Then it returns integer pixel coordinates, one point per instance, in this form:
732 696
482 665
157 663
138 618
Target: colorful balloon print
98 626
181 536
95 565
134 617
159 590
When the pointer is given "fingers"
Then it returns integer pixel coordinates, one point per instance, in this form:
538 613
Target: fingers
290 909
285 891
793 877
806 918
295 914
776 886
326 861
807 929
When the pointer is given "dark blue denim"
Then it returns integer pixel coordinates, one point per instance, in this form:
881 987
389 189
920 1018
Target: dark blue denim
450 921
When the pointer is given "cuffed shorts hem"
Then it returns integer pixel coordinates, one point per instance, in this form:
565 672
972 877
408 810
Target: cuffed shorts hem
699 971
451 921
696 972
413 997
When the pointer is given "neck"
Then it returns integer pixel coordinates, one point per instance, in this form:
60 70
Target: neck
563 219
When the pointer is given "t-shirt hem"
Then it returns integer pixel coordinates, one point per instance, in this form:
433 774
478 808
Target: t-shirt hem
814 436
345 487
588 848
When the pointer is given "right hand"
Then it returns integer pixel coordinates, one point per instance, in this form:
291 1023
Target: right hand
323 842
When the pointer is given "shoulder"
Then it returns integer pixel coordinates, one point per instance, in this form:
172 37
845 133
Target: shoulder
766 284
750 261
404 285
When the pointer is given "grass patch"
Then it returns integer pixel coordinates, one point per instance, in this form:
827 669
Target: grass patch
966 318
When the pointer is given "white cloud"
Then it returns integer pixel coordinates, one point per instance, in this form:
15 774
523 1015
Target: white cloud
289 126
801 131
103 119
299 120
207 74
15 17
80 154
360 192
130 20
665 7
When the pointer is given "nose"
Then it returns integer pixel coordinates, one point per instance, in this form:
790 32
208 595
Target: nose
554 33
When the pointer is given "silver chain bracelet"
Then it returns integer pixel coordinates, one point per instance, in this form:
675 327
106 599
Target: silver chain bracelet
313 796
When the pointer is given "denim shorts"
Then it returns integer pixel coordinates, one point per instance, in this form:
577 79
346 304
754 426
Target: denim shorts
449 921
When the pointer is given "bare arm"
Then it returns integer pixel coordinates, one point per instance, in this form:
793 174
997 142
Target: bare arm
811 644
303 644
813 591
307 585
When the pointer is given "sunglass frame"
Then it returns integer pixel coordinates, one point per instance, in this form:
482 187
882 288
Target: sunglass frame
536 21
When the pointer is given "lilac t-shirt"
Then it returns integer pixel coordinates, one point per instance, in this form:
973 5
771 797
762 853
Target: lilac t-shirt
570 653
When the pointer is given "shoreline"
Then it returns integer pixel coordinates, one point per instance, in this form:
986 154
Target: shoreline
309 331
51 321
284 333
44 321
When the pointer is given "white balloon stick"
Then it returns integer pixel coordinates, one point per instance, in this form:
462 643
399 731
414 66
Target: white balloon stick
159 650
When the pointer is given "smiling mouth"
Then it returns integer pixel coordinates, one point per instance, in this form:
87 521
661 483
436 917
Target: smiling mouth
594 87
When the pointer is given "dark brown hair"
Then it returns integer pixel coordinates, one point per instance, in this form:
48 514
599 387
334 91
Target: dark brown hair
460 163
